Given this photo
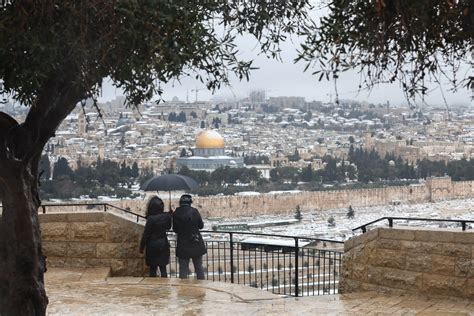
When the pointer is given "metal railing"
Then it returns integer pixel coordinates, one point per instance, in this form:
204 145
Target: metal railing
282 264
106 207
462 222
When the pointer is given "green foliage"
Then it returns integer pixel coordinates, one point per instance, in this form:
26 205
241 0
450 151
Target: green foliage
295 156
393 40
44 167
350 212
284 174
61 168
223 175
298 215
331 222
256 159
106 178
137 44
173 117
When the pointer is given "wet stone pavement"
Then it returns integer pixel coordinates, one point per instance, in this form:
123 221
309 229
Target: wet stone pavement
92 292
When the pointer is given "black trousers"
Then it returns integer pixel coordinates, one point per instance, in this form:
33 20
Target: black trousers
163 272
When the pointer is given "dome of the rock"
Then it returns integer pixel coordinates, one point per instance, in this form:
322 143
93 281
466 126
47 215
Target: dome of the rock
209 139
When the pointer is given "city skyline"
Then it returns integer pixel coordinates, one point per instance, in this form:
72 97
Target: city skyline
289 79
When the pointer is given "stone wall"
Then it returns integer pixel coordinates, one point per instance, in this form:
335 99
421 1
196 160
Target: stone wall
434 189
463 189
433 262
92 239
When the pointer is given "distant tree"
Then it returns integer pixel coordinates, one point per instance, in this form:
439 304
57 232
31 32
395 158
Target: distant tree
193 115
351 139
181 117
320 140
295 156
298 215
307 117
45 167
61 168
183 153
331 221
203 124
135 172
307 173
215 122
172 117
278 119
350 212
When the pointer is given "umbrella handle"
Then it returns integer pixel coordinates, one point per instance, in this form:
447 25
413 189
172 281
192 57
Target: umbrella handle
170 210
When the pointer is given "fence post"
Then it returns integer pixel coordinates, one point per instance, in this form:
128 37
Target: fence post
297 251
463 225
44 209
390 222
105 207
231 259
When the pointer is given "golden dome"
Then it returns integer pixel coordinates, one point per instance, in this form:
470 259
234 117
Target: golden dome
209 139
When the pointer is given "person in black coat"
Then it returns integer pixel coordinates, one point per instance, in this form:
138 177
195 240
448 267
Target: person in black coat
186 224
154 238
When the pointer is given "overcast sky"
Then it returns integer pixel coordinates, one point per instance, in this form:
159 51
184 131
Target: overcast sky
288 79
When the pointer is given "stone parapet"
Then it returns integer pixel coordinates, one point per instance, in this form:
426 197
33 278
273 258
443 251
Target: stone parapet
423 261
92 239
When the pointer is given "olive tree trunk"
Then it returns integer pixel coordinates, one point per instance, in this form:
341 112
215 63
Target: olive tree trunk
22 263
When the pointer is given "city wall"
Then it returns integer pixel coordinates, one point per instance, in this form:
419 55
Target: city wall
92 239
430 262
434 189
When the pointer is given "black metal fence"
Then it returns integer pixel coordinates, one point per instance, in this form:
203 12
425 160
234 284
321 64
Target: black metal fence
284 265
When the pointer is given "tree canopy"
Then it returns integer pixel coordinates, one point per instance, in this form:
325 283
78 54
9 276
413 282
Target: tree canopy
138 44
411 42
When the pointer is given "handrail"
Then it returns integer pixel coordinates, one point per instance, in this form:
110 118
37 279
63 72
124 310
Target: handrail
273 235
391 219
106 205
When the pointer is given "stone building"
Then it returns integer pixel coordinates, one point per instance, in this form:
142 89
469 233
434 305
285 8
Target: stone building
209 154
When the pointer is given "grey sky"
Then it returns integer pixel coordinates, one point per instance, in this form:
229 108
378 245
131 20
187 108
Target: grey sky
288 79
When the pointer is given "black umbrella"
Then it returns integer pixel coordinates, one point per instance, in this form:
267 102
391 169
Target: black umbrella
170 182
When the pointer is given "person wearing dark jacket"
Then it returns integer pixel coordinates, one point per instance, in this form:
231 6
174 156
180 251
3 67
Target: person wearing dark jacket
186 224
154 238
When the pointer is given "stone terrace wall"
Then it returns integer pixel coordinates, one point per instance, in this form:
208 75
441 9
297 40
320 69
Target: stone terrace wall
432 262
92 239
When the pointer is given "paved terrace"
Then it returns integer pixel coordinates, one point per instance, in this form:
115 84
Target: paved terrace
92 292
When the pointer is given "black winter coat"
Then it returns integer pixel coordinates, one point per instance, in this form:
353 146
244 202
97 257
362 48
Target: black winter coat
155 241
186 223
